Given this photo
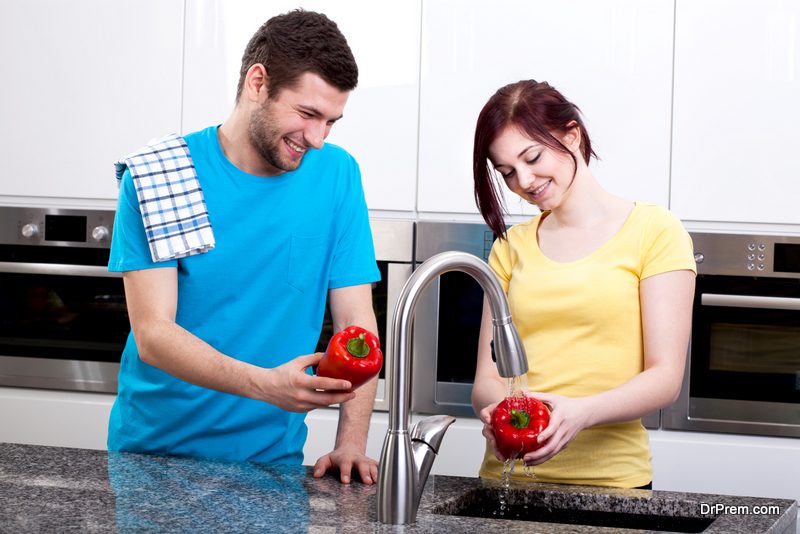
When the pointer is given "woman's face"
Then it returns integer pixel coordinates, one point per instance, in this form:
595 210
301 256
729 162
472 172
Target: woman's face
538 174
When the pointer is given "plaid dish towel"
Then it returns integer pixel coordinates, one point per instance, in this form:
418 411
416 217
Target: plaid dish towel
172 204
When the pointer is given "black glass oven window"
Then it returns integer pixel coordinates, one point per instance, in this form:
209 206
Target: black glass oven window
754 348
787 258
65 228
460 309
80 318
745 353
379 304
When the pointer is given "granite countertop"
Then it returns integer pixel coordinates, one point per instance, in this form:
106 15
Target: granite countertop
50 489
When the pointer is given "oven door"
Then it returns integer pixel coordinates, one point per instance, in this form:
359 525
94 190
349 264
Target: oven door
744 370
61 326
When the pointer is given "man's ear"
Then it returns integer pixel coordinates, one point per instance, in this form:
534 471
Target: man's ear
572 136
256 84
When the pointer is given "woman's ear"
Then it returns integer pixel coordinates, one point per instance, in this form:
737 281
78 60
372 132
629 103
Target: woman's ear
256 83
572 136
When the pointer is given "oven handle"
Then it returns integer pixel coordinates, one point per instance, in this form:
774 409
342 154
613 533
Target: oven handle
750 301
57 269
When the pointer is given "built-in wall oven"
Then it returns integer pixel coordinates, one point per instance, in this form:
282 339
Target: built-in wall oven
447 323
63 317
743 373
63 320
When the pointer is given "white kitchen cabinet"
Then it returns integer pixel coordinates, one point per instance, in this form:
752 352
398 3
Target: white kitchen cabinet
729 464
84 82
380 120
613 58
736 110
54 418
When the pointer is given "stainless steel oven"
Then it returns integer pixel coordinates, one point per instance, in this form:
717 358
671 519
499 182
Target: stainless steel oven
448 323
394 251
63 321
743 373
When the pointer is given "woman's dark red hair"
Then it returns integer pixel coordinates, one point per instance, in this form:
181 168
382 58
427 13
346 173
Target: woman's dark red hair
536 109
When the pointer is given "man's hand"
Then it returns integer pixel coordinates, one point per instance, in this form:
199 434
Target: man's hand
289 387
346 459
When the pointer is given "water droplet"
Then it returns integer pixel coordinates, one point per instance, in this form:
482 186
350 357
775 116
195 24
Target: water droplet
529 471
505 482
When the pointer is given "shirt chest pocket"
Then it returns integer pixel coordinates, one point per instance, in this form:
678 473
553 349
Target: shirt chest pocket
306 262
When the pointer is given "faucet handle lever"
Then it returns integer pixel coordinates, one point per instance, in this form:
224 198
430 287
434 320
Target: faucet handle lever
431 430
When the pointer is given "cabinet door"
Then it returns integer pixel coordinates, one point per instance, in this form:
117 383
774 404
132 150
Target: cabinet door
613 58
728 464
55 418
737 106
83 84
379 127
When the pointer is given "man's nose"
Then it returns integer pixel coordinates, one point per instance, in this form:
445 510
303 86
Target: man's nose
316 133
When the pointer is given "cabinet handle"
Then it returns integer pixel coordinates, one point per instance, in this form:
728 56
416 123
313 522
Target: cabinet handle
750 301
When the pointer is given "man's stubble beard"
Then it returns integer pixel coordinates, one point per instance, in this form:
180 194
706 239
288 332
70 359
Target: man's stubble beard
266 139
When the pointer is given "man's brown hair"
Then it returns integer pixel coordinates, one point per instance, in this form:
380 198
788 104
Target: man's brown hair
297 42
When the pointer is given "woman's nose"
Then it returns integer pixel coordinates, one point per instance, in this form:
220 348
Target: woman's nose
526 179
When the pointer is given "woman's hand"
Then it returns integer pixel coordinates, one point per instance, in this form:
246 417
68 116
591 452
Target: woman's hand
568 416
488 432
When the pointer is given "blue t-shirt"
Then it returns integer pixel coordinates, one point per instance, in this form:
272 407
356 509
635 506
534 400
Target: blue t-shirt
259 296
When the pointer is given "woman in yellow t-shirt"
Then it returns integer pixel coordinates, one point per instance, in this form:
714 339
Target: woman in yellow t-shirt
600 289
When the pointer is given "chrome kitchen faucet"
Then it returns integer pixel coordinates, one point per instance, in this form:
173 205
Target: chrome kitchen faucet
407 456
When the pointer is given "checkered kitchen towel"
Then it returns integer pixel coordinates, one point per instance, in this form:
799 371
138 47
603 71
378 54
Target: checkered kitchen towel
173 209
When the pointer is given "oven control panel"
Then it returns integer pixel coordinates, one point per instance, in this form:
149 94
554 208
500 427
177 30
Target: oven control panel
747 255
56 227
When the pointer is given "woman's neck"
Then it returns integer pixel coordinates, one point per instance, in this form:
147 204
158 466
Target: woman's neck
586 205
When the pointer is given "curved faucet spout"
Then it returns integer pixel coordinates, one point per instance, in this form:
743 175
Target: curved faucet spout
400 480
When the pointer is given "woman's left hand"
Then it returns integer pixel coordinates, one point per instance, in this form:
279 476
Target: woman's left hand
568 416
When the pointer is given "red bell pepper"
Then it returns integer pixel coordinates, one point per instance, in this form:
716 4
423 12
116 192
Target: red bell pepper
354 354
517 422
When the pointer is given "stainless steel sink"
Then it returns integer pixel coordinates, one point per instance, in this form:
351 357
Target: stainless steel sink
549 507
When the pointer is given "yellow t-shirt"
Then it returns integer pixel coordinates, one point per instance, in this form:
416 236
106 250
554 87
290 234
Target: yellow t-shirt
581 326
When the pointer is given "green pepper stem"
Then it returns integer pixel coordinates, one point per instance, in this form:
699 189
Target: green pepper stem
520 419
358 347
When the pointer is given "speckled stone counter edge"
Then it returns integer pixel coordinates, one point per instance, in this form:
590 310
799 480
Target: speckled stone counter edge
35 481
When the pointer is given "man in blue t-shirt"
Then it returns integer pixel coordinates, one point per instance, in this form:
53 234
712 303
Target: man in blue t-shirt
222 337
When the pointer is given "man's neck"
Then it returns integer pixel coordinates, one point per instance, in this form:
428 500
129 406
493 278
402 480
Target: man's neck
234 139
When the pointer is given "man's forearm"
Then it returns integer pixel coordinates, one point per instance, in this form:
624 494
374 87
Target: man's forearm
174 350
354 417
